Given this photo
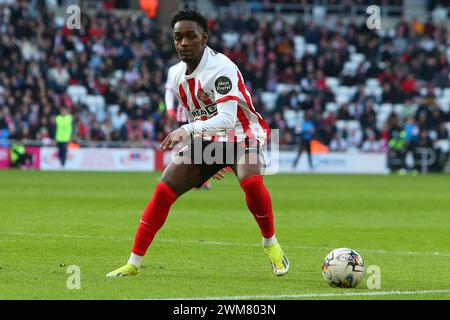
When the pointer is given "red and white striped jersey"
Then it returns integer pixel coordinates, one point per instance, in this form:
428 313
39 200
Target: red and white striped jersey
215 80
170 97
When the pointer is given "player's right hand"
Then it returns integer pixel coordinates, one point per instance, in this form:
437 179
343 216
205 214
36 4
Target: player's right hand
174 138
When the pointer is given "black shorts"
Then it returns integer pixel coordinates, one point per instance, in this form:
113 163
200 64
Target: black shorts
212 156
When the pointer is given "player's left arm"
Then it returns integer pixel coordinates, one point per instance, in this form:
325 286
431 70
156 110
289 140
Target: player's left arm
226 96
225 84
225 119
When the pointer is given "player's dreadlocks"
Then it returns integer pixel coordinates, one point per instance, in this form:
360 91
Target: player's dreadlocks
190 15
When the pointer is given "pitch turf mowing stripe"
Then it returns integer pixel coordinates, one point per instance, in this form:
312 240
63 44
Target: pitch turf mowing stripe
216 243
319 295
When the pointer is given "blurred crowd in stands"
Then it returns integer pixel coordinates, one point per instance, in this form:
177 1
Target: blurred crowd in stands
320 2
125 58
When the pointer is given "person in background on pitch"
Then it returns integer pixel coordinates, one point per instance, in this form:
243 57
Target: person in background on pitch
307 131
19 156
63 135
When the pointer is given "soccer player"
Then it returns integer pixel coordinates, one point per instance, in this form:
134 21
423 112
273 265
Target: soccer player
221 117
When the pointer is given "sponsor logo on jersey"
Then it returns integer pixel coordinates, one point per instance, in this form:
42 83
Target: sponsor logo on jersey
223 85
208 111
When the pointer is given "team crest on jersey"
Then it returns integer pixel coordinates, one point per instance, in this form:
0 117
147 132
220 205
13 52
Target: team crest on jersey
203 96
223 85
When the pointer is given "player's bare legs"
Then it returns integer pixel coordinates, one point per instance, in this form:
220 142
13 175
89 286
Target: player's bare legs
181 177
177 178
249 173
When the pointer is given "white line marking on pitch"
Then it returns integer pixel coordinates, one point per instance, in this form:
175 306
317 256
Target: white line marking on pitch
318 295
215 243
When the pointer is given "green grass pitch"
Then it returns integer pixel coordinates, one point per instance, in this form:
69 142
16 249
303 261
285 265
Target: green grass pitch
210 244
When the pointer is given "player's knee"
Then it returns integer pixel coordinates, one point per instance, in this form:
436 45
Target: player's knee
170 182
246 171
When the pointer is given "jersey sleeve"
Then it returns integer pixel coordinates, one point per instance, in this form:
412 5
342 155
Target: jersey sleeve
225 119
226 84
170 96
170 79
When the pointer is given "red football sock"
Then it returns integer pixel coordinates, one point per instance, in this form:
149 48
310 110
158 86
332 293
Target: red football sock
259 203
153 218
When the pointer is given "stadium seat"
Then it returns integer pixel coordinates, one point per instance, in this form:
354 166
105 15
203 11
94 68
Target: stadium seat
399 108
344 94
113 108
432 134
118 74
374 91
386 108
290 116
446 92
269 99
77 93
438 92
332 107
447 125
444 145
383 114
299 40
284 87
230 38
299 51
444 103
353 125
378 92
357 57
341 125
350 67
332 82
311 48
373 83
341 99
382 32
141 100
95 103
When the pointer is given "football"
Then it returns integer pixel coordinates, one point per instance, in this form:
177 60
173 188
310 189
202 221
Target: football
344 268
